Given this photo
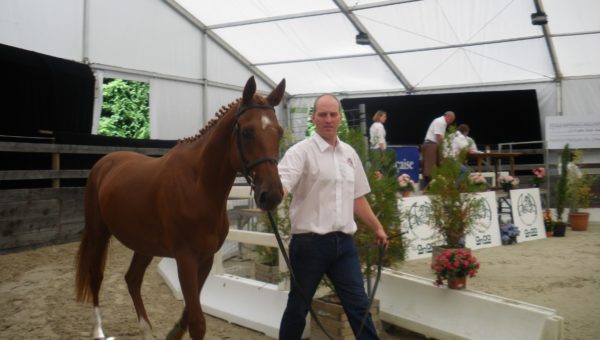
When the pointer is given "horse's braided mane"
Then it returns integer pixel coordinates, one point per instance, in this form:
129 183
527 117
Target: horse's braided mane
222 111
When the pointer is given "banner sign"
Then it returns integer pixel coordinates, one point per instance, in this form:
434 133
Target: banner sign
407 161
527 214
580 132
421 237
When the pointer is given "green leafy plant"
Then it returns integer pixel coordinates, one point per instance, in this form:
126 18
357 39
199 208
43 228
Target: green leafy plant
384 202
125 109
579 190
454 206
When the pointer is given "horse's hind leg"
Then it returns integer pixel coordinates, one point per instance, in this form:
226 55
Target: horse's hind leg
134 278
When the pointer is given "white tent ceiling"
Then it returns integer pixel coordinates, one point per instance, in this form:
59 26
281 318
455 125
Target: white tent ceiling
415 45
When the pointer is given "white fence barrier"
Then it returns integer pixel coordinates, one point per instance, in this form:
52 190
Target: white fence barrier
414 303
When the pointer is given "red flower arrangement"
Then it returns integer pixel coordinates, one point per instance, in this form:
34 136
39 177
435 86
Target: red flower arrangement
538 176
454 263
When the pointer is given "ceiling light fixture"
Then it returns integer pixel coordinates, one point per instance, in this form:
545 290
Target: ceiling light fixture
539 18
362 39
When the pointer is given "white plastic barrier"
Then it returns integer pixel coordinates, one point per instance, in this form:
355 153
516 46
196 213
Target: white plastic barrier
249 303
414 303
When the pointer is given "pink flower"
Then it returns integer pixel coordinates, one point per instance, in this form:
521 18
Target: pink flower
539 172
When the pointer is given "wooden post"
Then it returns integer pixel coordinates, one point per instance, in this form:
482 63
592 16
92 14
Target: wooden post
56 166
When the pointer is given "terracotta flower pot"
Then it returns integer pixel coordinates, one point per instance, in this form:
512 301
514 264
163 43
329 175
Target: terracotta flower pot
459 282
579 220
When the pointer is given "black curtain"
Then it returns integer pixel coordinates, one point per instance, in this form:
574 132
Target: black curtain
494 116
42 92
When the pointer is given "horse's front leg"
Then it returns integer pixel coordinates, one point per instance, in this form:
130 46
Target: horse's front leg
192 276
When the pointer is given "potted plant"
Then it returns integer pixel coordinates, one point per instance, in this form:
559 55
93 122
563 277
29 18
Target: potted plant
454 265
406 185
509 233
538 176
454 205
579 194
559 226
508 182
478 182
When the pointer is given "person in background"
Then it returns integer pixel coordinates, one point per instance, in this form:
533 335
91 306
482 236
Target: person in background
460 140
377 141
430 152
377 131
464 129
329 184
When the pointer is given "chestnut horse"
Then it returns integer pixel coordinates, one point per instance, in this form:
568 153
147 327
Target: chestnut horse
175 205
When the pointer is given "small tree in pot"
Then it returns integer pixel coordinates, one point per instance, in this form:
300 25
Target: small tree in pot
454 204
579 193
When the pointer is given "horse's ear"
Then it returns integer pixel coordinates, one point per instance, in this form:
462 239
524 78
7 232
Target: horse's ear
249 90
275 96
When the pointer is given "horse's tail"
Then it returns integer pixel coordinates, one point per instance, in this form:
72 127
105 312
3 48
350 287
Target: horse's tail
91 256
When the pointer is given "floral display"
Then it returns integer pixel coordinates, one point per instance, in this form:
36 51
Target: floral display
538 176
509 233
508 182
454 263
477 181
406 183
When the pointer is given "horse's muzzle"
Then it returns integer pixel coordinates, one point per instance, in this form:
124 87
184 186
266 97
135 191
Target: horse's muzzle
268 198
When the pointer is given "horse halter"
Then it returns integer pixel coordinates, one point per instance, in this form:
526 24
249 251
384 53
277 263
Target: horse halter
246 166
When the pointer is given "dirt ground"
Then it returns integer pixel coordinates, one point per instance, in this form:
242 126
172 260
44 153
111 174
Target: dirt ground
37 293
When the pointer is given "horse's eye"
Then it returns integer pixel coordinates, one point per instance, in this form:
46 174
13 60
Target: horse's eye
247 133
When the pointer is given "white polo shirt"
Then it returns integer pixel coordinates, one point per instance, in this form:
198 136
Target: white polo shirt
377 132
437 127
324 182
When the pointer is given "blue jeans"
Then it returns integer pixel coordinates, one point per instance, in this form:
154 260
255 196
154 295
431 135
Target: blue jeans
333 254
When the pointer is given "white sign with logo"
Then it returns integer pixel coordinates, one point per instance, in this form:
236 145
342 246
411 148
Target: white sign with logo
486 231
527 214
422 237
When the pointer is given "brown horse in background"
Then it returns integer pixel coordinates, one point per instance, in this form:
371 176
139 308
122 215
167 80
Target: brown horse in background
175 205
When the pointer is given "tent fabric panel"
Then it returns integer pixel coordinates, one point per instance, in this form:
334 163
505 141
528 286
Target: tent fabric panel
523 60
578 55
427 24
228 11
287 40
175 109
339 75
155 39
580 97
33 25
573 16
